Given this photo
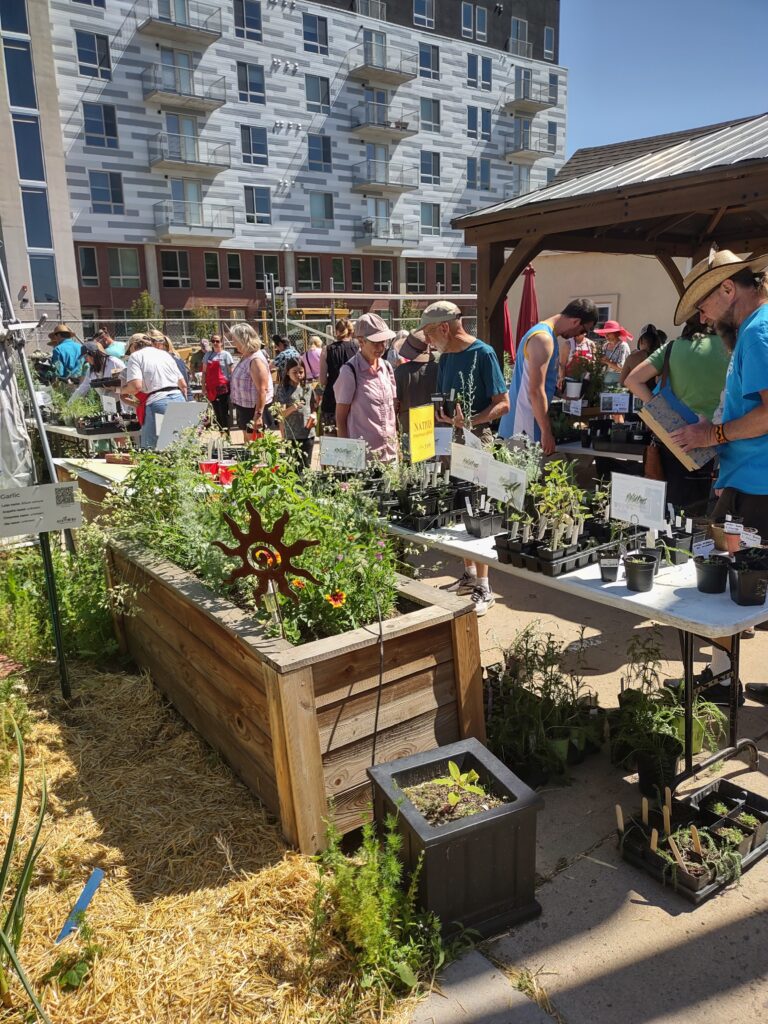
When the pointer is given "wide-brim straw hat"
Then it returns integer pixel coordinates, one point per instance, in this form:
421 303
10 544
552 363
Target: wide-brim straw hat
60 329
708 274
614 327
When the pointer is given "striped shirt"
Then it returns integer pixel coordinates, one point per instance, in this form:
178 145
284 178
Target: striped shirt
242 390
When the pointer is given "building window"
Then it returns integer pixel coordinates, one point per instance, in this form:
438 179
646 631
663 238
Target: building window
93 57
308 273
100 122
485 124
552 136
424 13
440 277
382 275
478 173
13 16
554 88
234 270
266 265
315 34
337 273
92 3
474 22
356 274
430 168
254 144
472 122
321 209
319 153
258 205
19 74
430 115
551 172
415 276
473 277
481 24
123 268
89 270
467 20
248 19
430 218
45 287
455 277
250 83
37 221
479 74
518 40
212 270
318 93
106 192
29 150
429 61
174 268
523 180
549 43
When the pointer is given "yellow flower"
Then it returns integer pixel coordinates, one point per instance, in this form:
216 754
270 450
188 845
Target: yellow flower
298 583
337 598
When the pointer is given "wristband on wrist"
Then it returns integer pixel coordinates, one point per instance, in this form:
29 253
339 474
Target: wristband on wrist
720 434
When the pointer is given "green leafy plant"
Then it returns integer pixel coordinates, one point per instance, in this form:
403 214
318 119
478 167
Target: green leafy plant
204 321
74 968
748 820
145 314
459 782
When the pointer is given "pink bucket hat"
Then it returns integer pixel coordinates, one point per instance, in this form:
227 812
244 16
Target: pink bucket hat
614 327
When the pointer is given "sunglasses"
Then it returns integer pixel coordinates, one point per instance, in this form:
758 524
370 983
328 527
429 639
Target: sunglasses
709 295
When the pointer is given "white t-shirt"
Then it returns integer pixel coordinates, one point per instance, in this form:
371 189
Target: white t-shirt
155 369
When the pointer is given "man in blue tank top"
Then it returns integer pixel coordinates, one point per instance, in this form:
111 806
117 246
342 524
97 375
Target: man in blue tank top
533 382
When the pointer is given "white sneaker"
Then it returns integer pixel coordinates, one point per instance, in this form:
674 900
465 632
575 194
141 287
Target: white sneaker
463 586
482 599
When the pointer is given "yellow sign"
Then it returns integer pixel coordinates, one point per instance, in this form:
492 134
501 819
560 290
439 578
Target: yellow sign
421 432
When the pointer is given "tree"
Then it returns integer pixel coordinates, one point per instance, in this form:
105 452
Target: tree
410 316
145 314
204 322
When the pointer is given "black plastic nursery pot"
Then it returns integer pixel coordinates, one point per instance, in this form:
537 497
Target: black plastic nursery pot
711 574
658 768
477 872
483 525
609 566
639 571
747 586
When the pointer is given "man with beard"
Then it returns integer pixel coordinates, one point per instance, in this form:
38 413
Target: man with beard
731 294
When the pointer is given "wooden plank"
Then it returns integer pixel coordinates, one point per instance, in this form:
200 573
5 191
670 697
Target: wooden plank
351 720
345 767
305 763
469 677
241 753
352 809
280 755
358 672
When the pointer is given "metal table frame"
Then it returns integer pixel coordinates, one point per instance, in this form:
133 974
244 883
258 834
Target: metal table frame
674 601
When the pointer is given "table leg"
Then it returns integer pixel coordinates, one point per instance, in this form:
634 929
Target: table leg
686 642
733 711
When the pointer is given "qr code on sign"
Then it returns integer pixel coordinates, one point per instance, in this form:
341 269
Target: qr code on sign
65 495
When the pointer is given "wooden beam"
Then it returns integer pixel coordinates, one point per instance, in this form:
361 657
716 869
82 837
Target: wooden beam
668 225
628 246
500 285
714 220
671 268
490 260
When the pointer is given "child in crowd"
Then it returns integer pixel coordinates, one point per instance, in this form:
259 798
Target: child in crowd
296 397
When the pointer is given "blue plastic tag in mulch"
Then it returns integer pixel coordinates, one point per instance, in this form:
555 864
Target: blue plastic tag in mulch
83 900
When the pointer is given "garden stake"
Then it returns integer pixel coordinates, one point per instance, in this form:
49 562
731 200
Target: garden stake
645 810
696 840
668 797
676 853
619 818
654 840
667 828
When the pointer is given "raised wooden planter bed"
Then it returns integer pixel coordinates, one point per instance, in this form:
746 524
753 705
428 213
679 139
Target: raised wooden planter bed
297 723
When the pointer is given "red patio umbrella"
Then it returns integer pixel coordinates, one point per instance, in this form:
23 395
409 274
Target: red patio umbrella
509 338
529 305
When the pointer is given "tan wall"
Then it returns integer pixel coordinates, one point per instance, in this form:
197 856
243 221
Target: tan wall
637 287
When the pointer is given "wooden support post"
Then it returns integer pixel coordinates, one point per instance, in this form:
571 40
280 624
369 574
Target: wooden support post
280 756
490 259
469 676
671 268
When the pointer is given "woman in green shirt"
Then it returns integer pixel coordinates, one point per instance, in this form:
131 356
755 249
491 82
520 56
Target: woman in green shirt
698 364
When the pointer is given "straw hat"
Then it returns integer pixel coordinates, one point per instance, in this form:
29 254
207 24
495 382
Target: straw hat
614 327
59 332
711 272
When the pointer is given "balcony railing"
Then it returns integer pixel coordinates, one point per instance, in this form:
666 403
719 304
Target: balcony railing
372 9
526 95
193 218
193 88
386 117
184 17
532 142
520 48
184 149
384 229
382 173
371 57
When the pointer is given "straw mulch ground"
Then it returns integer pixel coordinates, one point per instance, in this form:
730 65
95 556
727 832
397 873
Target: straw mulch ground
204 914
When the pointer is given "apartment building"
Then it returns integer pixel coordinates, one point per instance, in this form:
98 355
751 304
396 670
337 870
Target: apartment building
207 147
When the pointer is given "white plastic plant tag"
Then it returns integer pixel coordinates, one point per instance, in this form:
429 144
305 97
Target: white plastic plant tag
703 547
689 525
731 527
468 505
650 538
750 539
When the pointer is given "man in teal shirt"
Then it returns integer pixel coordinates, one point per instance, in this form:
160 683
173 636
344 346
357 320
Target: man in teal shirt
468 368
67 355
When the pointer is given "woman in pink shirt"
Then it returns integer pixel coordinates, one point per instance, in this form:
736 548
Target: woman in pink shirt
365 392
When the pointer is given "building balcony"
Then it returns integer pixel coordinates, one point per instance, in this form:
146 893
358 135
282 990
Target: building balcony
183 22
528 147
380 178
383 234
381 122
193 157
526 98
382 65
179 221
181 88
520 48
372 9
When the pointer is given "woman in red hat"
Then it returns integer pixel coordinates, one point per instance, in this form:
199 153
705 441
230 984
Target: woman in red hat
616 346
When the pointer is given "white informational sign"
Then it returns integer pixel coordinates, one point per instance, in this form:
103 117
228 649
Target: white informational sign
41 509
343 453
443 440
468 464
615 401
109 404
574 407
471 441
505 483
637 500
178 417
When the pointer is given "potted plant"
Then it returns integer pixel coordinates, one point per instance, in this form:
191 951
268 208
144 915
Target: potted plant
748 576
462 879
640 570
711 573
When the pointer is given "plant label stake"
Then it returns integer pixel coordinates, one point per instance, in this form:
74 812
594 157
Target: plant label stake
645 810
676 853
668 797
619 818
654 840
696 840
667 828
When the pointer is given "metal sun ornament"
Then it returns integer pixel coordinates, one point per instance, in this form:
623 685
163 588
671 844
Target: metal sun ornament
265 554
